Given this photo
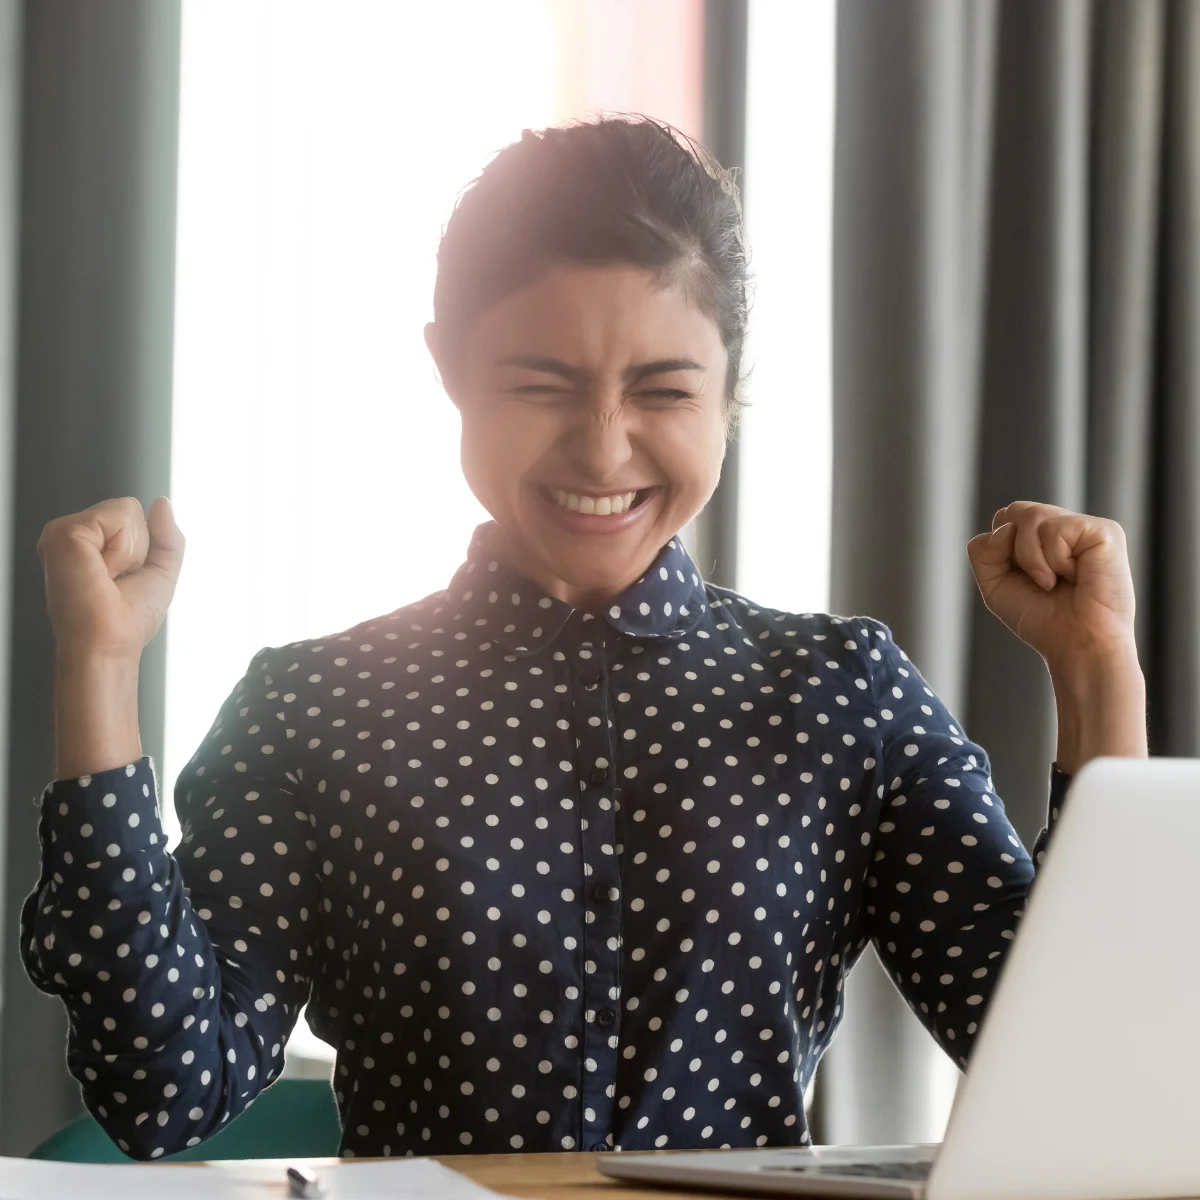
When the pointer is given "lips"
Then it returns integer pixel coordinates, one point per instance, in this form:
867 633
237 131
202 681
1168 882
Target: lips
593 513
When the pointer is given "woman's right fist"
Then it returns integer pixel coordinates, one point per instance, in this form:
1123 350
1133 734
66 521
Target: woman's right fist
110 575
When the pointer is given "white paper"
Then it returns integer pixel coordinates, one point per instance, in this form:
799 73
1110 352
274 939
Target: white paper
250 1179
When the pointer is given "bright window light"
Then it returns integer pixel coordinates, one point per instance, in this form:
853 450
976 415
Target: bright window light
315 459
784 481
322 146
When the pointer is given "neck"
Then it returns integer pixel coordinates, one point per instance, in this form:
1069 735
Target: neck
515 556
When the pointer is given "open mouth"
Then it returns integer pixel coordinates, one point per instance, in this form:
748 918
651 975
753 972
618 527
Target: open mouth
598 506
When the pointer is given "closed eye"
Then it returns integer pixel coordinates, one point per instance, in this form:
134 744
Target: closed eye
668 394
549 389
540 389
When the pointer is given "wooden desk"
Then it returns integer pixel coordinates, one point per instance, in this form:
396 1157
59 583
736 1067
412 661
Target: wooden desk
554 1177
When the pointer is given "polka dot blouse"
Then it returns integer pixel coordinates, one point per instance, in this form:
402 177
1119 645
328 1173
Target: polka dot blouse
545 879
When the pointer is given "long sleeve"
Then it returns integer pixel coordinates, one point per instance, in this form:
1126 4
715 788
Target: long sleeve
949 876
515 858
182 975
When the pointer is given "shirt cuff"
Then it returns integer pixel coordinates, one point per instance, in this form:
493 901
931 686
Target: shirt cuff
1060 782
101 817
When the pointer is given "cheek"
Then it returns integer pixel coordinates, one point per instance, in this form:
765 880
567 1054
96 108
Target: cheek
500 443
690 453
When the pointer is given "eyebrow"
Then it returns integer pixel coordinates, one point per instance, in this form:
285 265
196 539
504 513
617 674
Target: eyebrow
555 366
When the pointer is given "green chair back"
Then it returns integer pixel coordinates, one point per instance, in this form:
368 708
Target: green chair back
293 1118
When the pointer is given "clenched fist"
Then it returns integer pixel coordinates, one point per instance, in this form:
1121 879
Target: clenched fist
1059 580
110 576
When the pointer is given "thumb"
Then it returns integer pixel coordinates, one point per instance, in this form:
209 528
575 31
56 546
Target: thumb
991 556
166 541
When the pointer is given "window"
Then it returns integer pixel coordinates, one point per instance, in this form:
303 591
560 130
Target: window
322 145
784 484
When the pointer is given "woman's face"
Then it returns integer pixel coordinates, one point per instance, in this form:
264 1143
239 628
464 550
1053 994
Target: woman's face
593 423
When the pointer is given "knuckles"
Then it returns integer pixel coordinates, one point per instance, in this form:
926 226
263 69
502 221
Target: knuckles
1026 512
1044 521
58 531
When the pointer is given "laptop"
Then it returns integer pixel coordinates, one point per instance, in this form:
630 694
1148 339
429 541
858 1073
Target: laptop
1084 1083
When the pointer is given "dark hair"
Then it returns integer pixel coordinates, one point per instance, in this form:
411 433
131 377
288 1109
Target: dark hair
618 190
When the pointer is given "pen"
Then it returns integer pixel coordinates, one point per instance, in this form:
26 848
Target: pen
304 1183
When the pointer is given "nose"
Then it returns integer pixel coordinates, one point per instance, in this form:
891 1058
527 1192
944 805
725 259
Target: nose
599 442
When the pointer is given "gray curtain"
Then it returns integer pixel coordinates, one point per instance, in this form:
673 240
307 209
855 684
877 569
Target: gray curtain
93 190
1016 316
712 538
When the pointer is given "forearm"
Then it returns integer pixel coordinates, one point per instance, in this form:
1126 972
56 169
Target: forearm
89 931
154 1018
1101 704
183 973
95 714
947 883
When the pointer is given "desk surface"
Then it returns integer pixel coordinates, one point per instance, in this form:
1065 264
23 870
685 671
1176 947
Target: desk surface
553 1177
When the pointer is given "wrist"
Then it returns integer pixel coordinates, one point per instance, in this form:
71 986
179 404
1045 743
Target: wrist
1080 672
1100 700
95 713
86 657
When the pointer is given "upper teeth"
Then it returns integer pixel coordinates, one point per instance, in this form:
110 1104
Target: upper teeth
600 506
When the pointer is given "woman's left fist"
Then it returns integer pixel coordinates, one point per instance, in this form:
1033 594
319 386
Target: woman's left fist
1059 580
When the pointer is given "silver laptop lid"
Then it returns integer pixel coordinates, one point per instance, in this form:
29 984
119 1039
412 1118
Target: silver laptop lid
1085 1081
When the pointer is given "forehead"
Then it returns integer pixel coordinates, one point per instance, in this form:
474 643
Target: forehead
596 317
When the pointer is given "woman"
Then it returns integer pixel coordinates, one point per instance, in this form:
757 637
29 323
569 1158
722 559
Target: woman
577 852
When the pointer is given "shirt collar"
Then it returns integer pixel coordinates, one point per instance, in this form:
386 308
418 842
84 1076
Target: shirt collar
513 611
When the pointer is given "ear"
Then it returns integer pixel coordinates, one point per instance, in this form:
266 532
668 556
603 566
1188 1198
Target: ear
434 343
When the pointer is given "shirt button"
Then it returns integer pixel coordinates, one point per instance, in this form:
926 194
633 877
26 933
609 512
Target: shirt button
591 680
599 775
606 1018
600 893
598 1146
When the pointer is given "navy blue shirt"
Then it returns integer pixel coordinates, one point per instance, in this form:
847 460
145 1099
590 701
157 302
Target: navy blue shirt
546 879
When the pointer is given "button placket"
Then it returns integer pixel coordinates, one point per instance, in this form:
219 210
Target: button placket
601 942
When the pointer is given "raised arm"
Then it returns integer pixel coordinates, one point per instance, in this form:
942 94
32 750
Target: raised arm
179 1001
949 877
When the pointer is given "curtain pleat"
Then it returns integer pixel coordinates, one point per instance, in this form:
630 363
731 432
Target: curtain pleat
92 418
1016 317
